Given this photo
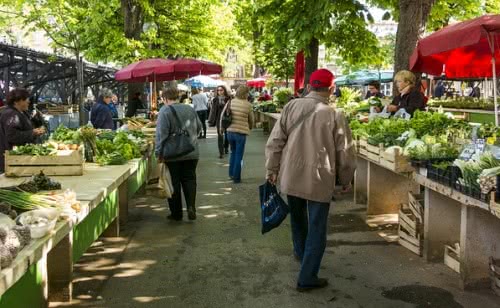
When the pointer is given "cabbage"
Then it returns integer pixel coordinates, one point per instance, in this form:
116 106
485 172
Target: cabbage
413 143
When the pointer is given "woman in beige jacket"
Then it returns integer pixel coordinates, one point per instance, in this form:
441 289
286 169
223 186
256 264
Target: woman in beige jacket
237 132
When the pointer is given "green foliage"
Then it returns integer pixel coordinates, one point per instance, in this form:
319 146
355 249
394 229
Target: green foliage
66 135
348 95
282 96
188 28
462 103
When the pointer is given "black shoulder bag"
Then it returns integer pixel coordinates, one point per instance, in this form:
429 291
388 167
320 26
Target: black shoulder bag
227 117
178 142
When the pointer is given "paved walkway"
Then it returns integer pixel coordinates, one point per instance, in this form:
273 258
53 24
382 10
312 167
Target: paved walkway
222 260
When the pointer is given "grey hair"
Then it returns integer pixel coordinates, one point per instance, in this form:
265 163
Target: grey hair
105 92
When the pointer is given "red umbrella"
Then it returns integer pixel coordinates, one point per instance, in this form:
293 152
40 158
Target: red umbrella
164 69
299 71
466 49
257 83
184 68
143 71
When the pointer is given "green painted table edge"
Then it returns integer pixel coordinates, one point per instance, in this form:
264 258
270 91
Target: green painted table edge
28 291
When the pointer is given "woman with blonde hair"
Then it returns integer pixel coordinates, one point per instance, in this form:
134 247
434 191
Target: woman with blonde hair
410 98
237 132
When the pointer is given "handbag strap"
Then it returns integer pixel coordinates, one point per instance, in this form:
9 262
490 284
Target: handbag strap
177 120
299 120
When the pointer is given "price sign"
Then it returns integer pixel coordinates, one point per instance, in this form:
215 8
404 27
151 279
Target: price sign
480 145
468 151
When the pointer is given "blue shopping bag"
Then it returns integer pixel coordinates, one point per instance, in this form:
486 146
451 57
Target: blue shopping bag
274 209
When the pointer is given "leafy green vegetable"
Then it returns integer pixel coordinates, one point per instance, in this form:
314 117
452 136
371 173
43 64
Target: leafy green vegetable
34 149
66 135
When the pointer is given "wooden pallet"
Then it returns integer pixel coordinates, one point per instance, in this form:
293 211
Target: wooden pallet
62 109
452 257
410 230
395 161
65 162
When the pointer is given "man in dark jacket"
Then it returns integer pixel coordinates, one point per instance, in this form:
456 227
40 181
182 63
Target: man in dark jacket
134 104
101 116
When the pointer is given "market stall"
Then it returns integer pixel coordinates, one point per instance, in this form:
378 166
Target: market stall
456 219
43 268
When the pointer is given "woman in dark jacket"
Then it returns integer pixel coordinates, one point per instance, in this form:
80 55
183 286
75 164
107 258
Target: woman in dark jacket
101 116
409 98
15 125
218 104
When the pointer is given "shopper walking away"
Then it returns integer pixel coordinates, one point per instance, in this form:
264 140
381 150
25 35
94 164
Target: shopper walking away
183 168
15 125
101 115
200 104
307 147
241 124
218 104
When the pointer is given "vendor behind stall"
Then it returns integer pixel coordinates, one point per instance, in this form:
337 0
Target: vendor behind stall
374 90
410 98
15 125
101 115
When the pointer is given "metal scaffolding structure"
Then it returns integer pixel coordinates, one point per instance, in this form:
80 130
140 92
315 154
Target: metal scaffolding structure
43 72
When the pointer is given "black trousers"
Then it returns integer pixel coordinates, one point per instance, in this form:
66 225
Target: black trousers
222 142
183 175
203 115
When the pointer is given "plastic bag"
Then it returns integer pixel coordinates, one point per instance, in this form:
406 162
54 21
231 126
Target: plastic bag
382 114
274 209
165 182
401 113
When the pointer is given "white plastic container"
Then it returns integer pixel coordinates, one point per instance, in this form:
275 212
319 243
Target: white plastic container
47 219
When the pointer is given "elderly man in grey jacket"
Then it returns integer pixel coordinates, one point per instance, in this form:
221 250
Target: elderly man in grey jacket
307 148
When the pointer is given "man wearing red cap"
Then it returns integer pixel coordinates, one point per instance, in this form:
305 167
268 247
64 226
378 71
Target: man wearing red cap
307 147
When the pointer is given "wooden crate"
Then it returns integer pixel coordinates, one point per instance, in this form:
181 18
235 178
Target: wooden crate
495 275
374 152
416 205
395 161
452 257
66 162
410 230
361 146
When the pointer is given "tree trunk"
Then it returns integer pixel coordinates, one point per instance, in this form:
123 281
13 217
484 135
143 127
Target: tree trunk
133 16
413 15
257 69
311 59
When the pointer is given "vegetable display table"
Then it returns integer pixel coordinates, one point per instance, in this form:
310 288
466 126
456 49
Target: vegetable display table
43 270
269 119
449 217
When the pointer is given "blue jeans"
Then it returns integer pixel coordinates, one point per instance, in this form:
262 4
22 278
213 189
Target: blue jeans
309 235
237 143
